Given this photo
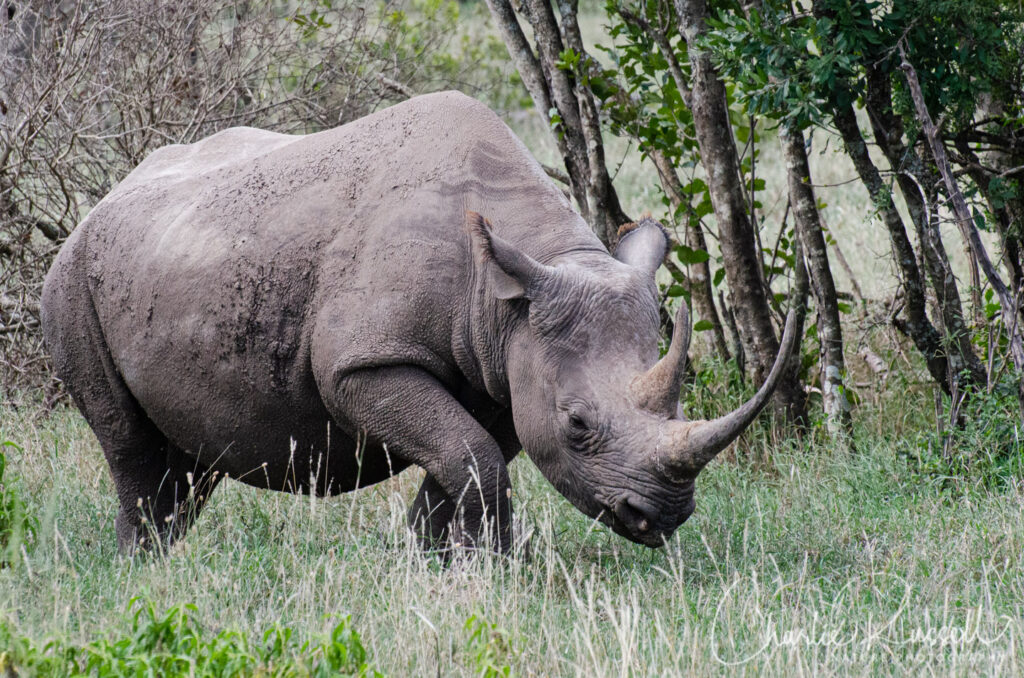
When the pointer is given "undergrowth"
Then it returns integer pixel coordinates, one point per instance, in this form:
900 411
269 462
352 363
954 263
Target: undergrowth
172 644
17 525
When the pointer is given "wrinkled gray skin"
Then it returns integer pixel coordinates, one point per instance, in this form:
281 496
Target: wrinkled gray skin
316 313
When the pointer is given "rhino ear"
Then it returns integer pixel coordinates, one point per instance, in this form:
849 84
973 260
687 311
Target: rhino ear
511 273
642 245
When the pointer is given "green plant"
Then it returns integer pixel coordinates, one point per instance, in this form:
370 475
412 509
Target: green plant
984 449
17 525
489 648
172 644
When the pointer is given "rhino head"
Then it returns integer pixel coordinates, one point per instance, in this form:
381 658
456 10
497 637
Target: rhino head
594 407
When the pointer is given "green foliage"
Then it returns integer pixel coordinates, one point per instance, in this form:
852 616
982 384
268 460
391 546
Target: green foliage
985 448
796 67
489 648
654 113
789 67
173 644
17 525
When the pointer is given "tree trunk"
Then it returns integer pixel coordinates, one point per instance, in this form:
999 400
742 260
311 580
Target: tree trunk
830 333
1001 211
917 325
578 135
1007 303
701 291
736 235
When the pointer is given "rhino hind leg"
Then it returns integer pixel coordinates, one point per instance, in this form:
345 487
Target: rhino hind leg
160 489
430 515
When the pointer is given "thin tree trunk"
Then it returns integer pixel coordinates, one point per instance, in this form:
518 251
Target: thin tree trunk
533 75
965 223
736 235
700 277
964 365
858 294
578 135
917 325
913 178
1000 210
830 333
604 208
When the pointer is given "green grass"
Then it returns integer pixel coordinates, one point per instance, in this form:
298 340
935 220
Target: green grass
813 562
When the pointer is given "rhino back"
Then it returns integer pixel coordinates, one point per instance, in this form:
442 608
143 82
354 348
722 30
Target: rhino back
211 264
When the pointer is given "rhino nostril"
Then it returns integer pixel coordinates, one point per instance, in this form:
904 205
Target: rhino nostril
635 513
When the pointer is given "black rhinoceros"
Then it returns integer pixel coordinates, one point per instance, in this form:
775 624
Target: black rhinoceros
317 313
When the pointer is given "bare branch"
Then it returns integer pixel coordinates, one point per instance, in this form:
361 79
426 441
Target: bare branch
556 174
965 221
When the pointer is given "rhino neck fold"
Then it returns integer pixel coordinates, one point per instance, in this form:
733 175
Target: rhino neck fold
481 336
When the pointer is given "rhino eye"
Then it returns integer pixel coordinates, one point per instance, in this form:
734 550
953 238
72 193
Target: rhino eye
577 423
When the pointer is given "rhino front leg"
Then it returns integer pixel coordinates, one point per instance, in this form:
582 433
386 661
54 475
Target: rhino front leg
433 510
409 412
430 515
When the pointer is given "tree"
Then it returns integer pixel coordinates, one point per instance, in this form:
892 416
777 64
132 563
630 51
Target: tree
691 78
702 93
811 69
556 76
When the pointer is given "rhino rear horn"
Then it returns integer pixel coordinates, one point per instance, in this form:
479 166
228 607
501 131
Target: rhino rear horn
657 389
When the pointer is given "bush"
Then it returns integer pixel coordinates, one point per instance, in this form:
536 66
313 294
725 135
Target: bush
984 447
173 644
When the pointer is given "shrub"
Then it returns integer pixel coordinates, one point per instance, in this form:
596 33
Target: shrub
984 447
174 644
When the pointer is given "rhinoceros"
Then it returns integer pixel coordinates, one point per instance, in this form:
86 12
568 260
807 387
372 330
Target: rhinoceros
317 313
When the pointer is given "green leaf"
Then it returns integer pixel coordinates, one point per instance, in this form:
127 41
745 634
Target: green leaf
719 277
688 255
703 326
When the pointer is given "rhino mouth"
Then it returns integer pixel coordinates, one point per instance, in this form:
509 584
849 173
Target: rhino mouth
632 518
652 538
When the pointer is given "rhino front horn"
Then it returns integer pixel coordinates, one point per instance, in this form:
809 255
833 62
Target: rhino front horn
657 389
687 446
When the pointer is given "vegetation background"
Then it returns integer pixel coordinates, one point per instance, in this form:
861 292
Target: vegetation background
881 538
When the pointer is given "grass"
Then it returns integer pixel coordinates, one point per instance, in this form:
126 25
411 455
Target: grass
812 563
